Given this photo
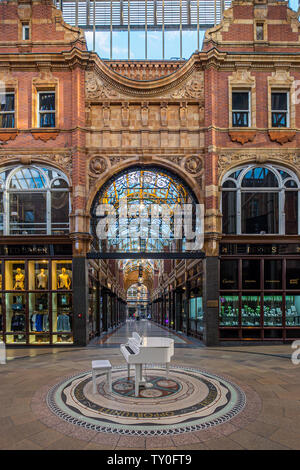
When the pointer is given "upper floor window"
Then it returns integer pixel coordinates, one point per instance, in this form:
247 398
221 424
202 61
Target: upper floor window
241 109
7 110
46 109
259 31
280 109
261 200
33 201
25 32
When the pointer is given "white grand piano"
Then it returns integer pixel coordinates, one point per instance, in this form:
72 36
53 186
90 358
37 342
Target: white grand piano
146 350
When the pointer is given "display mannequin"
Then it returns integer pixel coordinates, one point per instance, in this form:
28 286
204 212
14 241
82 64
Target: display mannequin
19 280
64 280
42 279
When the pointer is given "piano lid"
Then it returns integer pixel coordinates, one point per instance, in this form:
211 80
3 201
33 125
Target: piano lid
157 342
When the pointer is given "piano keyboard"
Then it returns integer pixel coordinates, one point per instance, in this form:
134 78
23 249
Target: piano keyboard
129 349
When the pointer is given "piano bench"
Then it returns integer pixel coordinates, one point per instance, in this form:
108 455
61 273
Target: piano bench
102 366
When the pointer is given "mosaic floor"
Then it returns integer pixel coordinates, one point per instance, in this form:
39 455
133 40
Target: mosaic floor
189 400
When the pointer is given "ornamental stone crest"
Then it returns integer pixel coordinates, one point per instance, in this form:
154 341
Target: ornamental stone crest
98 165
193 165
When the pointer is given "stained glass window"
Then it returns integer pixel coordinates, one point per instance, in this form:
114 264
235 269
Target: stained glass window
142 189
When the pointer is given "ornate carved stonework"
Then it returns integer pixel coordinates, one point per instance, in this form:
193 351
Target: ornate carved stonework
98 165
193 165
242 136
193 88
64 161
6 136
95 88
177 159
114 160
45 136
144 113
229 160
282 137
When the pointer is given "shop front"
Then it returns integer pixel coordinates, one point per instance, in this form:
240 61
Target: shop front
259 291
36 294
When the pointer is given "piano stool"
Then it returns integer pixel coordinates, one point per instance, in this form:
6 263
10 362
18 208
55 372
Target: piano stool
102 366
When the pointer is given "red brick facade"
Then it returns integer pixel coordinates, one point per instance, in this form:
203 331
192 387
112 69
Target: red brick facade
112 116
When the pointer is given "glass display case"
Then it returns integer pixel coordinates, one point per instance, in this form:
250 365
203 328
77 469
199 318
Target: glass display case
292 310
272 310
229 310
250 311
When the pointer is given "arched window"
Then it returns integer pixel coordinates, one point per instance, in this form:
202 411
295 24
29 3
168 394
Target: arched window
33 201
261 200
142 189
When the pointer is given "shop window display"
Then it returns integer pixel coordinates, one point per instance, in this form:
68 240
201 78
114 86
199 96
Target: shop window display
61 275
15 275
34 315
250 310
292 310
229 310
38 273
15 318
272 308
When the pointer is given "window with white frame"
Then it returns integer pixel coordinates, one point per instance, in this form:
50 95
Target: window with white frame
280 108
261 200
7 110
46 109
33 201
25 32
241 109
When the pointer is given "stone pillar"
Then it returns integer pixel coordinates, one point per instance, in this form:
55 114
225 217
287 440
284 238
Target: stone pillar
80 301
210 296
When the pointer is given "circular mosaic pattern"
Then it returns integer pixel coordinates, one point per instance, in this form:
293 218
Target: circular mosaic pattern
155 387
190 400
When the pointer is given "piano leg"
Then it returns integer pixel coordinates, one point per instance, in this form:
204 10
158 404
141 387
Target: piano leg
138 378
167 369
128 370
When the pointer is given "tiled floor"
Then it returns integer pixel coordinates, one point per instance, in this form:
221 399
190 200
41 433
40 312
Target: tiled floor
265 370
